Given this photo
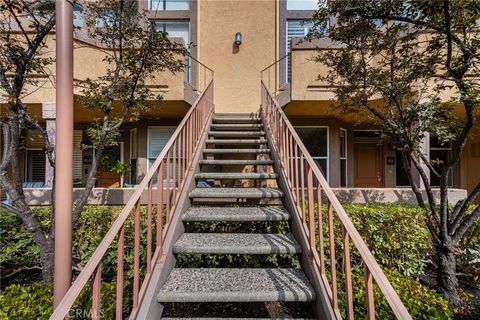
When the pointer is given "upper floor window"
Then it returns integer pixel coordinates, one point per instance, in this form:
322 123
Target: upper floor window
45 9
105 19
177 29
295 29
78 16
302 4
168 5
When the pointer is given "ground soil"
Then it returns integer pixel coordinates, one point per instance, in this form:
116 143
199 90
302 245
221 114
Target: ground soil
274 310
470 307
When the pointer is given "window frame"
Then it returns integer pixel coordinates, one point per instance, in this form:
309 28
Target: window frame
327 158
187 41
344 158
25 177
164 6
148 143
449 150
288 74
303 9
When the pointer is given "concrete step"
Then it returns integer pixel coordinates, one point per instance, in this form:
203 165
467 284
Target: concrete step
237 243
236 126
237 318
235 175
195 214
236 134
236 285
237 162
236 141
235 120
211 151
243 193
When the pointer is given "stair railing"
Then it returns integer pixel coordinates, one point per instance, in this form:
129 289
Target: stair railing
275 76
306 183
170 170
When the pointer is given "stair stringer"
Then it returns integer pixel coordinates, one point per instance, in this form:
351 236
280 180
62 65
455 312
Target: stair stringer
150 309
322 307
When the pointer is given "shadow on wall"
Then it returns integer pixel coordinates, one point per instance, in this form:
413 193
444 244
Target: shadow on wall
390 195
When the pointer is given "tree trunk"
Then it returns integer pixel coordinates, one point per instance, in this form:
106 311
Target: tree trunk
446 273
47 260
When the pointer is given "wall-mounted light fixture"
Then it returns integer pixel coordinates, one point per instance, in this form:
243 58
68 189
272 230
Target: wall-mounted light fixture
238 38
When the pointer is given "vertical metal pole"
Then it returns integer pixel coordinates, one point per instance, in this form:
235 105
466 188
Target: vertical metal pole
64 149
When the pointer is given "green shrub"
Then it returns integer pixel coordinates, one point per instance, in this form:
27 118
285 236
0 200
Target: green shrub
420 301
396 235
26 302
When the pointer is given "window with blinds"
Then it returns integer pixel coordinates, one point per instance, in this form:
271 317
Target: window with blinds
295 29
302 4
177 29
35 158
35 166
168 5
157 139
77 154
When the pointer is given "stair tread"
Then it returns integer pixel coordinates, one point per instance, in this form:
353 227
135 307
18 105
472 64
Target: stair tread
237 162
235 175
236 125
251 193
237 243
236 285
236 119
236 214
232 134
237 141
236 150
169 318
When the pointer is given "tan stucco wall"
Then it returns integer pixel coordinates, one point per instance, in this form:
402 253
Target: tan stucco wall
88 63
237 70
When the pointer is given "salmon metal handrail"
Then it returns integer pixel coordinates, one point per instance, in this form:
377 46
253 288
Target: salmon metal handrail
177 156
306 182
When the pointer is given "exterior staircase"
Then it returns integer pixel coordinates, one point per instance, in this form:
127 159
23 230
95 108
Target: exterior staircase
239 191
236 184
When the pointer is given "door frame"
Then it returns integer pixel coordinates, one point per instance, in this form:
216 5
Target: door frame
369 142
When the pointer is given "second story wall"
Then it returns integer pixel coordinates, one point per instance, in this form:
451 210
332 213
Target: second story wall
237 68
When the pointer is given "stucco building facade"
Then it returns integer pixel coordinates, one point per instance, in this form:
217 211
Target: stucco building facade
348 148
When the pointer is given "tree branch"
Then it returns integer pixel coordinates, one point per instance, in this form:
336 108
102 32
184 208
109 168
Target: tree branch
460 210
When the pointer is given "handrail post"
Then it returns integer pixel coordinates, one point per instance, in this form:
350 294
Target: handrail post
63 150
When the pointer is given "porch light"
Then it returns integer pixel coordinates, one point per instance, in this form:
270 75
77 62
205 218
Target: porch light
238 38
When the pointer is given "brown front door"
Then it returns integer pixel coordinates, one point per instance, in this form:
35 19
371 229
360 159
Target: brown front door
368 166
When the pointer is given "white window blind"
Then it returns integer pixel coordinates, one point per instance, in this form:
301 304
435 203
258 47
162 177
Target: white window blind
178 29
168 5
302 4
35 166
157 139
295 29
77 154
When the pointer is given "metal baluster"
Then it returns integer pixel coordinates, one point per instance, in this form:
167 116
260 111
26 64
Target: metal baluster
348 273
333 261
120 257
369 294
149 225
136 255
96 292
